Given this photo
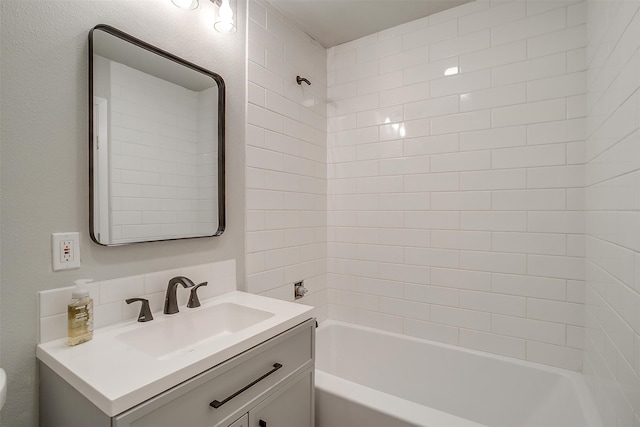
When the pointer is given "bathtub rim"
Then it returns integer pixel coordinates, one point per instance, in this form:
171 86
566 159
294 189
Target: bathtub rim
325 380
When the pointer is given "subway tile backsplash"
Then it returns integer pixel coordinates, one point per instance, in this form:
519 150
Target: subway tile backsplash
109 296
480 165
455 178
286 153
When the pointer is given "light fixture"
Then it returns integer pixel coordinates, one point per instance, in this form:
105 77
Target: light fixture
186 4
224 19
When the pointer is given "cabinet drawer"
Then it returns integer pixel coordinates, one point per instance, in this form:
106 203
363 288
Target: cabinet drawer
236 384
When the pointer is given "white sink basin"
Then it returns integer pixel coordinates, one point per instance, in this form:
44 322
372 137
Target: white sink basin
3 388
184 332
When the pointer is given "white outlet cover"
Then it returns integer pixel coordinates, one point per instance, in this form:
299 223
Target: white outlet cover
56 251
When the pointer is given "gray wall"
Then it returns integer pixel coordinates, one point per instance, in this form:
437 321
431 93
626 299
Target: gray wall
44 168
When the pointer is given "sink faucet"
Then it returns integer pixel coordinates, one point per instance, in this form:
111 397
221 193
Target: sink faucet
170 299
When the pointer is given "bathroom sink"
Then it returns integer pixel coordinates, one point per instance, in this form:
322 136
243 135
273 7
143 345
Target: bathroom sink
139 360
182 333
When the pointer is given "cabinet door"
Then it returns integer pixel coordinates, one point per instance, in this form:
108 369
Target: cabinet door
243 421
291 406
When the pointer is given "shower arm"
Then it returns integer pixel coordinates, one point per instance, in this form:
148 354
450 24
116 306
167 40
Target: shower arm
299 80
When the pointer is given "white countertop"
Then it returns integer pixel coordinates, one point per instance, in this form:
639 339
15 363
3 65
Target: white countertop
115 376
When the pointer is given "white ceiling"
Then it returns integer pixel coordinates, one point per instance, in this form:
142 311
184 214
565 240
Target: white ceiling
333 22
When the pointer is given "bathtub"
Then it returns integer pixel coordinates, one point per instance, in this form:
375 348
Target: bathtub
370 378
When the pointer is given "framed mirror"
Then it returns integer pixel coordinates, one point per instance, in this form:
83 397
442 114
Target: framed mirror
156 143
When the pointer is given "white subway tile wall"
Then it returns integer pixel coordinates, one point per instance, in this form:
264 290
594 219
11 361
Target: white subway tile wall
286 154
612 217
163 171
109 296
456 146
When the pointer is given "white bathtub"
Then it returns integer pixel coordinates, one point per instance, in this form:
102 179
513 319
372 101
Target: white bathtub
371 378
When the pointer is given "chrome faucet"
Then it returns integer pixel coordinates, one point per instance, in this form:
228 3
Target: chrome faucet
170 299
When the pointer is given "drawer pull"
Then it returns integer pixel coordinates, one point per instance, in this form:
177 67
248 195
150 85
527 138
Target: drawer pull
217 403
262 423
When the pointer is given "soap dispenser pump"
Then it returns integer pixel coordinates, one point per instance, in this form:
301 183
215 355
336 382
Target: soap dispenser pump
80 314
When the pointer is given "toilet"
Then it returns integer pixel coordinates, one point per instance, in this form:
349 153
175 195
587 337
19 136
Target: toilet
3 388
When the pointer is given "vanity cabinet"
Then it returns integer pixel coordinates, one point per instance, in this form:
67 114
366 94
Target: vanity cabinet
269 385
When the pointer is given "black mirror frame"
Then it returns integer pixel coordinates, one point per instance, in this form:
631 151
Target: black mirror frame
221 130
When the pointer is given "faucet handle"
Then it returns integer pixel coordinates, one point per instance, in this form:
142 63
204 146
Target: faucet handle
145 311
193 298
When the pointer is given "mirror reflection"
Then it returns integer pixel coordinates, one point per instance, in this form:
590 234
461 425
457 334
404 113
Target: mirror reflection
156 143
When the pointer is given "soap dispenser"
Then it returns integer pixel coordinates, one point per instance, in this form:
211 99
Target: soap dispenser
80 314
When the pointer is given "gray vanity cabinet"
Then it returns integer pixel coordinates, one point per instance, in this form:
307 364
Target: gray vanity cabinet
268 385
291 406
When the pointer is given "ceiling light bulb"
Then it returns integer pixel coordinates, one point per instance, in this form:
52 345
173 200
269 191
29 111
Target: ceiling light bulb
185 4
224 23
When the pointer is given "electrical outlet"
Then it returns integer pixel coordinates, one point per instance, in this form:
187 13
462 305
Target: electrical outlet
65 250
